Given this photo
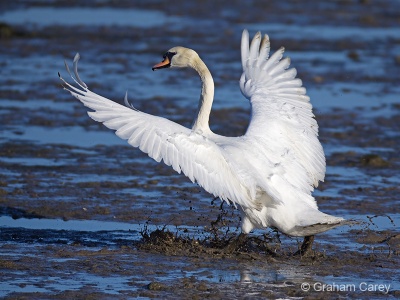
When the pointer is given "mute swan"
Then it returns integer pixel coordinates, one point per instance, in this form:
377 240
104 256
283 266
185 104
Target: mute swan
269 172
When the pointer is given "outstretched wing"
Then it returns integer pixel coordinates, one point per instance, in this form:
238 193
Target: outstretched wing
281 117
196 156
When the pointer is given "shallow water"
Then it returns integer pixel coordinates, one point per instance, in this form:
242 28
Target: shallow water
74 198
95 236
49 16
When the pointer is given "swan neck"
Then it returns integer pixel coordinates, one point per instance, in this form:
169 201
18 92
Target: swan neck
201 123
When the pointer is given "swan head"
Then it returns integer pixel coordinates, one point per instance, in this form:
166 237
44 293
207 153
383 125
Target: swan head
177 57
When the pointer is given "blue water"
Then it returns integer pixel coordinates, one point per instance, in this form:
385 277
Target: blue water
249 274
68 16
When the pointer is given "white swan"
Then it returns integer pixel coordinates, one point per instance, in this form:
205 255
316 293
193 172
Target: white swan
269 172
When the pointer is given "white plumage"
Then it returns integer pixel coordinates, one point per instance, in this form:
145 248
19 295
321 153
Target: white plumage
269 172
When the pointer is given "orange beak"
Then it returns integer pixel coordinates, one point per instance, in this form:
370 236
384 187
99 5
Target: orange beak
164 64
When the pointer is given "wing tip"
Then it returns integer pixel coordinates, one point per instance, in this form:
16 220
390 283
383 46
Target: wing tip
77 57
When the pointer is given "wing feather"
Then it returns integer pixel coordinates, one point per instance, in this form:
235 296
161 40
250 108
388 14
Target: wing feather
281 114
245 48
264 50
198 157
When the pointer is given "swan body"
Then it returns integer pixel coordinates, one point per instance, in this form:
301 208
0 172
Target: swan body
269 172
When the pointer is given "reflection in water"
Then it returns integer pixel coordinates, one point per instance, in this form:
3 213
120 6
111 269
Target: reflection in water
245 276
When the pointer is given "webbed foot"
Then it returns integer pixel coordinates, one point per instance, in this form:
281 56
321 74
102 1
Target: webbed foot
306 247
235 243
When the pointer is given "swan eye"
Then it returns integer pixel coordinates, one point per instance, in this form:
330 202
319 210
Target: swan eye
169 55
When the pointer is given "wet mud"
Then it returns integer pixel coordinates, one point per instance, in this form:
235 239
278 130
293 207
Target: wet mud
58 164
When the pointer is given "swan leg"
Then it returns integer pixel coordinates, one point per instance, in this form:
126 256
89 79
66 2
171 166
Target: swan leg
235 243
306 247
242 241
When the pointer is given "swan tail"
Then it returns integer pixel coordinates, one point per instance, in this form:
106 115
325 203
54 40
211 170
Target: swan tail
315 228
314 222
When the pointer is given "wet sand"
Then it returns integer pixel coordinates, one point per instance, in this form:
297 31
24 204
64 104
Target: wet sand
58 164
